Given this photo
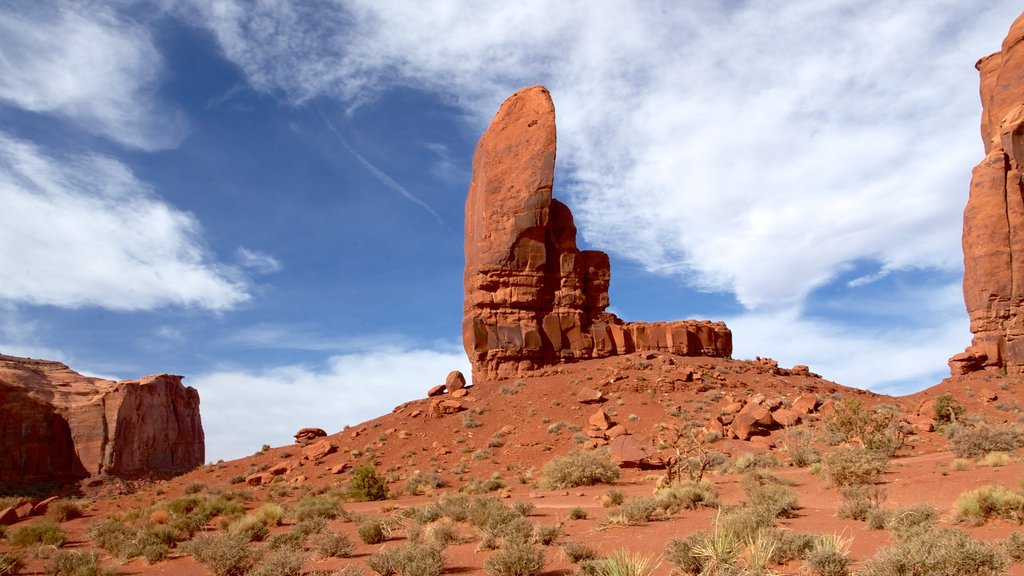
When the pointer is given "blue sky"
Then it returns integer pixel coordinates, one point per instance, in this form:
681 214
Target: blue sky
267 197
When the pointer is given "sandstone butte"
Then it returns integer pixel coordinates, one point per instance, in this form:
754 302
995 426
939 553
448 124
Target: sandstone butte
993 232
57 425
532 298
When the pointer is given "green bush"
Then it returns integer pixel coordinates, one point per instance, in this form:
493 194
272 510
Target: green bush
366 485
878 428
976 441
518 558
577 513
223 554
63 510
941 552
326 506
76 563
44 532
977 506
947 410
853 466
579 468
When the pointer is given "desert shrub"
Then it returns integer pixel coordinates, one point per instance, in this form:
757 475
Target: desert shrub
687 494
995 459
828 556
121 540
911 520
424 514
516 559
223 554
799 447
977 506
622 563
852 466
250 527
63 510
976 441
752 461
408 560
317 506
332 545
680 553
280 562
1014 547
579 468
790 545
10 563
546 535
291 539
633 512
76 563
482 486
578 551
524 508
940 552
487 511
366 485
455 506
765 493
859 501
714 552
468 421
44 532
443 533
577 513
421 482
878 428
613 497
372 530
191 513
947 410
194 488
313 525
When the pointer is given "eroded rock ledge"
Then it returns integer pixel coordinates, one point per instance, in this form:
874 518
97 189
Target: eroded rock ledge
534 299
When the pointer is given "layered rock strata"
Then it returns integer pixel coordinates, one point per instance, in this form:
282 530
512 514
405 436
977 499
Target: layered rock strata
57 425
993 233
534 299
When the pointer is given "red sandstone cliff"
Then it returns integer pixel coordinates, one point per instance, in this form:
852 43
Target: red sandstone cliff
533 298
993 234
57 425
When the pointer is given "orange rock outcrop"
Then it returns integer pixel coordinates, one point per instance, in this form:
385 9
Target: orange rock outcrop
993 233
534 299
57 425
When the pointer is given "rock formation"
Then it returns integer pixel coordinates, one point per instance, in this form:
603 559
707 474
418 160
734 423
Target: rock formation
57 425
533 298
993 235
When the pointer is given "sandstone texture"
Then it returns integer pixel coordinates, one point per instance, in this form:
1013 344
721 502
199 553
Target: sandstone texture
57 425
532 298
993 234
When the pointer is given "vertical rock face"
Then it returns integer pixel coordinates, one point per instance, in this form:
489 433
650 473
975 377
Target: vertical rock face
993 234
57 425
532 297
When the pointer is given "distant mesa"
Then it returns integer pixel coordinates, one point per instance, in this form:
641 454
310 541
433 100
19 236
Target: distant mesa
993 233
532 298
58 426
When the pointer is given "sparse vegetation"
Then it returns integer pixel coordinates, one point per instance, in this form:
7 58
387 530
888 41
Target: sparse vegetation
852 466
223 554
859 501
519 558
579 468
634 511
623 563
76 563
977 506
948 551
976 441
45 532
10 563
408 560
947 410
688 495
366 485
877 428
578 551
280 562
422 482
577 513
372 530
63 510
332 545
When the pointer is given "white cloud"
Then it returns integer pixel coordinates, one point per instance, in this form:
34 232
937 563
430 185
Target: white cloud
83 231
258 262
80 61
20 336
243 409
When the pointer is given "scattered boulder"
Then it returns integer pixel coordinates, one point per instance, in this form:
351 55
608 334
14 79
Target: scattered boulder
616 431
307 435
461 392
436 390
600 420
630 452
804 404
8 516
589 396
40 508
445 407
318 449
988 395
786 417
455 381
338 469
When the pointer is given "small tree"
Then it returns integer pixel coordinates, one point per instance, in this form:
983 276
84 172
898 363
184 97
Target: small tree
366 485
947 410
689 453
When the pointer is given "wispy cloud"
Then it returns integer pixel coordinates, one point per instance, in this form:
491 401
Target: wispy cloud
81 61
351 388
83 231
258 261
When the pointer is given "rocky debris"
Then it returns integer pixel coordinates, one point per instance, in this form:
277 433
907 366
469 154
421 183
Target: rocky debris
600 420
988 395
307 435
436 390
259 479
631 452
318 450
993 231
804 404
460 393
532 298
786 417
445 407
40 508
589 396
58 425
339 468
279 470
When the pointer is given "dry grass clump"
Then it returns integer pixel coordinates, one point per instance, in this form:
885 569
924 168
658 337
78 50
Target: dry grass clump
10 563
860 501
578 551
45 532
64 510
799 446
518 558
828 556
623 563
280 562
767 494
373 530
1014 547
223 554
408 560
579 468
947 551
687 495
76 563
577 513
977 506
995 459
877 428
634 512
423 482
332 545
976 441
546 535
853 466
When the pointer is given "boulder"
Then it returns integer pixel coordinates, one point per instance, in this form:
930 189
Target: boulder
42 506
600 420
461 392
445 407
630 452
589 396
786 417
455 381
532 298
61 426
307 435
24 509
318 449
8 516
436 390
804 404
616 431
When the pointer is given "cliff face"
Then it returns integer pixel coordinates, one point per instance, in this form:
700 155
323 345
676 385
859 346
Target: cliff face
993 234
57 425
533 298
